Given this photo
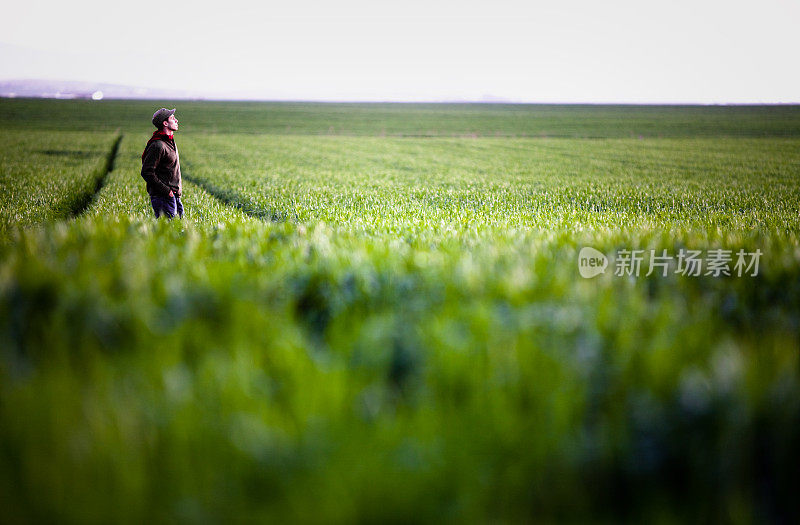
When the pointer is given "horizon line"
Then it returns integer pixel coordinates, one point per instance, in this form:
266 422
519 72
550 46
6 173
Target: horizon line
390 101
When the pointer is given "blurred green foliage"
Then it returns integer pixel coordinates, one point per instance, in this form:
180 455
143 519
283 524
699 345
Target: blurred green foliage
394 329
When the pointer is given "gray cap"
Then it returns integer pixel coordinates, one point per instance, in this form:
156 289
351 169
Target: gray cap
161 115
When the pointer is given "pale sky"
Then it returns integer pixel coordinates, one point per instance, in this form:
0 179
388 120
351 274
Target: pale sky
568 51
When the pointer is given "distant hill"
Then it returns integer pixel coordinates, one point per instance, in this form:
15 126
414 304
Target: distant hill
67 89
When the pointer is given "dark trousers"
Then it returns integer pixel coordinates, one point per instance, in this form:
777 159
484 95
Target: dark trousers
168 206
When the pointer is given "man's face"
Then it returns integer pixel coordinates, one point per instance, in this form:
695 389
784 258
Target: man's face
171 123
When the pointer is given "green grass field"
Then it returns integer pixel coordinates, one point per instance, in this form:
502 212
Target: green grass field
374 313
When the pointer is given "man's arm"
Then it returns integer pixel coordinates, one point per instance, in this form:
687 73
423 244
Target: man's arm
151 158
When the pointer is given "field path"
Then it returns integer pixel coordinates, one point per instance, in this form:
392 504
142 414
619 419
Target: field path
87 200
234 200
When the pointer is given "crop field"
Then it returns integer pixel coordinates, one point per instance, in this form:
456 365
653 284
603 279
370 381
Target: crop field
378 312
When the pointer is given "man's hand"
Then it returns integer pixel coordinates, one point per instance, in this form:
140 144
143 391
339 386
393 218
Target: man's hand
171 194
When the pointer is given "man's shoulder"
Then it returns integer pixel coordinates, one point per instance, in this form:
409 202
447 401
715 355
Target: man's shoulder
157 144
157 147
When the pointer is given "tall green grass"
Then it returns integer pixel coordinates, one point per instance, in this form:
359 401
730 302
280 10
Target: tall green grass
360 329
420 188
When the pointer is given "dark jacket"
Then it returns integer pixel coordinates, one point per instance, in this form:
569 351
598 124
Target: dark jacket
161 168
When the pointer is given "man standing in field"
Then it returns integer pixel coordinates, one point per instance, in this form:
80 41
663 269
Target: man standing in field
161 167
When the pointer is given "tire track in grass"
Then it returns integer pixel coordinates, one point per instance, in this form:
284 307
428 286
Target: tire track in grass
83 202
235 200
